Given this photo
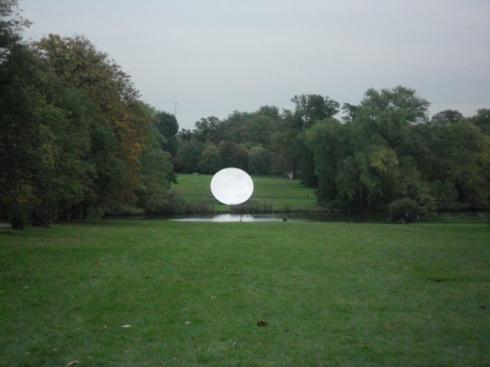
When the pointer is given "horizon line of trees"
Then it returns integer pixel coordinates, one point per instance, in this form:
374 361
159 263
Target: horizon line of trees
75 135
382 150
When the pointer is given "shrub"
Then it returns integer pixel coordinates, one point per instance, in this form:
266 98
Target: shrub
404 211
252 207
173 204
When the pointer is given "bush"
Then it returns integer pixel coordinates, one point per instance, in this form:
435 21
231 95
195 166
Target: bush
173 204
404 211
252 207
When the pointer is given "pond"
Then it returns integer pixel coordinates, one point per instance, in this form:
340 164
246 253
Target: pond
357 217
230 218
285 217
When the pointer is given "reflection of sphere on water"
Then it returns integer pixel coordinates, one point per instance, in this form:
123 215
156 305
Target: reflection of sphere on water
232 186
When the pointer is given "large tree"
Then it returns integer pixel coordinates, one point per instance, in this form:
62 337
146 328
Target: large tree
45 135
309 109
80 65
73 124
167 127
11 25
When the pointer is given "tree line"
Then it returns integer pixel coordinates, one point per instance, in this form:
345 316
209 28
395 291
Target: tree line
75 135
382 150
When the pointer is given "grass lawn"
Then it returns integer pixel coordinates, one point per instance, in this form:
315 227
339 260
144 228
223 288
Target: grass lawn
280 193
332 294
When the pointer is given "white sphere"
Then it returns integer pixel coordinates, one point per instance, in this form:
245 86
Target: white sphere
232 186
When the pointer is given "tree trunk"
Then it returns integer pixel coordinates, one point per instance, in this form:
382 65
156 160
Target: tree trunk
84 210
17 223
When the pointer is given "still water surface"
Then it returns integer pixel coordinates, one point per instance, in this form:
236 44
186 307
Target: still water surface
330 217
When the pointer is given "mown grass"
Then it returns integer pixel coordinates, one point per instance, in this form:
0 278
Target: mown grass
332 294
276 193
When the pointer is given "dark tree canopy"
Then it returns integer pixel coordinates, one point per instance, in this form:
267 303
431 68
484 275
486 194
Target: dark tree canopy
74 130
482 120
168 127
385 149
446 117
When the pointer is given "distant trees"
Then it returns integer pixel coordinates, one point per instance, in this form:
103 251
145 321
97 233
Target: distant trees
167 127
259 160
308 110
446 116
386 152
482 120
208 129
311 108
385 149
329 142
233 155
457 164
210 161
189 155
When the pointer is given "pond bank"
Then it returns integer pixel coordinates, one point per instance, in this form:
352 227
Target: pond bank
348 217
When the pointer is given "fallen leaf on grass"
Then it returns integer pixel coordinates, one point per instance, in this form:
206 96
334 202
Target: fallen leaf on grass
262 323
126 326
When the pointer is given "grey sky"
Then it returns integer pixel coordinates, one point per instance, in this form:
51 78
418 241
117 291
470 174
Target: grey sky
213 57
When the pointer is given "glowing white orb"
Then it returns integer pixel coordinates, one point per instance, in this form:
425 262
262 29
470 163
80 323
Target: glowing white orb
232 186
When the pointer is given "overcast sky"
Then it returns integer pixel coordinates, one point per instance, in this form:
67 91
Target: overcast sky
213 57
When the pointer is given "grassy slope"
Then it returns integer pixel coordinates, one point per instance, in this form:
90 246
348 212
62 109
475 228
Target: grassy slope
333 294
282 194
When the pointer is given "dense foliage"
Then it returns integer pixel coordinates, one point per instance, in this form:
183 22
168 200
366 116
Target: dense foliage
74 133
384 149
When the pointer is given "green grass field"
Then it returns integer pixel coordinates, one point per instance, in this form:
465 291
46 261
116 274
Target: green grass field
332 294
279 193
